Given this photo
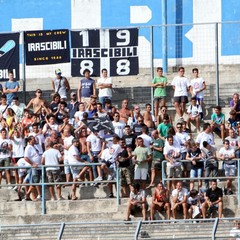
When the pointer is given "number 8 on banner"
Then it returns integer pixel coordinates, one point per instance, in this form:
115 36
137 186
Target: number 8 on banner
123 67
86 64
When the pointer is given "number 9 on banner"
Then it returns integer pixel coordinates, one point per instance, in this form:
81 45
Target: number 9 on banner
86 64
123 67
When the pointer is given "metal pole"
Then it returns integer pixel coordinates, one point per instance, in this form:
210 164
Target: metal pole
238 184
217 64
43 193
137 230
151 60
23 68
164 36
61 231
118 192
215 228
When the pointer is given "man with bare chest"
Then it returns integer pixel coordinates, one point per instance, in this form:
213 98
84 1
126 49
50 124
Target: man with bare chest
148 118
125 112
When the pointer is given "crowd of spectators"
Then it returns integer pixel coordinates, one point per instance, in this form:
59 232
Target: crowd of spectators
134 140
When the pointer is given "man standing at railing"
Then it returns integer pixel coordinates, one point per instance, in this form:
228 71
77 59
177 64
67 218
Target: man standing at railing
213 200
174 166
227 154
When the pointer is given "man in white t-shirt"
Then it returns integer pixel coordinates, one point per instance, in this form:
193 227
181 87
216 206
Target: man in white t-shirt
67 143
53 157
118 125
94 148
194 114
179 200
198 86
227 154
34 159
205 135
79 168
105 87
5 155
174 167
181 86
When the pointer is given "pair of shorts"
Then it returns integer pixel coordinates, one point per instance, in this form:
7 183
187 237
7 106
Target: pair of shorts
140 173
35 175
230 170
85 157
174 171
53 176
125 176
156 164
107 163
196 173
160 98
67 169
5 162
76 170
181 99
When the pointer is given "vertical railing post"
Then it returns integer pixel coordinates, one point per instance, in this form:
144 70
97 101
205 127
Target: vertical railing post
151 60
61 231
238 174
163 173
164 37
215 225
217 63
23 67
43 192
117 187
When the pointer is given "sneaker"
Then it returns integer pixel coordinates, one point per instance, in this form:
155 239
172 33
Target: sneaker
111 195
98 179
26 199
15 188
60 198
10 187
52 199
229 192
109 178
38 198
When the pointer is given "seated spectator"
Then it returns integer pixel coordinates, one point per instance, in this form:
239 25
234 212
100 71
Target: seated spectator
163 127
137 127
160 201
184 127
124 164
111 110
234 141
205 135
157 157
197 166
179 200
211 161
193 204
235 105
232 122
235 231
147 140
194 114
137 202
227 154
163 111
142 155
173 157
55 102
218 122
213 200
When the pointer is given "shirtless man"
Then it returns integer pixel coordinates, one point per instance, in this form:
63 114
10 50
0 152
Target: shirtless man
160 201
125 112
37 102
148 118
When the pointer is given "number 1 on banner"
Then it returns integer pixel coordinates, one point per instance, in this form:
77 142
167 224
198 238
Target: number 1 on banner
86 64
85 38
123 67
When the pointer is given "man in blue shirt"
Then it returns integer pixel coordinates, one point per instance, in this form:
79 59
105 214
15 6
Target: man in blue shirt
10 88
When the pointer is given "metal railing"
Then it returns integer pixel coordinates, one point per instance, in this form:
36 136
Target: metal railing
213 228
43 184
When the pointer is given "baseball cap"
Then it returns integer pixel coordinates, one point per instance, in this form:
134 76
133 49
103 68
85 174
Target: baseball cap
58 71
